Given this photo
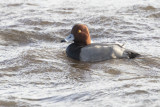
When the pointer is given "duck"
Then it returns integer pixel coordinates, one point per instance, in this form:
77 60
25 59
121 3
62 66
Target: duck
82 49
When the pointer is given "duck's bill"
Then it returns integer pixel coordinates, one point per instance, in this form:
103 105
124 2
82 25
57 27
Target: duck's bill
68 38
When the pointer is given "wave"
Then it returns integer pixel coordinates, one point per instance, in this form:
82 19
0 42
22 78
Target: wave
17 37
36 22
154 15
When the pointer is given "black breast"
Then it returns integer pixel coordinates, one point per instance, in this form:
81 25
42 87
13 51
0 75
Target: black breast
73 51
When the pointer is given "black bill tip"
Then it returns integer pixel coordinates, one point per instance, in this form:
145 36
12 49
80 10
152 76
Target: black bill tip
63 40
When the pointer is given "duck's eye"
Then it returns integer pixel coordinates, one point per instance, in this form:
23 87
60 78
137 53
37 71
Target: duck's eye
79 31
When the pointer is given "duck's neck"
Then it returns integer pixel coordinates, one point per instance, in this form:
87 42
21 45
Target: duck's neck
83 42
88 41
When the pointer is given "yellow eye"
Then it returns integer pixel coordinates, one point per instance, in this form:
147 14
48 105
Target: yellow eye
79 31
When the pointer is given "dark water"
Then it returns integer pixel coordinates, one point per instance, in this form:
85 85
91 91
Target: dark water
34 69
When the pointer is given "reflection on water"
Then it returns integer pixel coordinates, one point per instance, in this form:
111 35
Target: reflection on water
35 70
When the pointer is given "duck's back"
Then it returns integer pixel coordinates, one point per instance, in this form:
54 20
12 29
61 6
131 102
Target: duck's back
97 52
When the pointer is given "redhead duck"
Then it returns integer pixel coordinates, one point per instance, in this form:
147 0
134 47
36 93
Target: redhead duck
83 50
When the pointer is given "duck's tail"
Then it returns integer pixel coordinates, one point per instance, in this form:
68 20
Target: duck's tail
132 54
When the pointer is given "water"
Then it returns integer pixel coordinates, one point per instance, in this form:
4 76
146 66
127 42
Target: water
35 71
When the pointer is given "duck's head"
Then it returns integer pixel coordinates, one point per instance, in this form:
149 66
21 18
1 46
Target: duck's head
79 34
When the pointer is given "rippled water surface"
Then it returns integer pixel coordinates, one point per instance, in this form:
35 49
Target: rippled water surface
34 68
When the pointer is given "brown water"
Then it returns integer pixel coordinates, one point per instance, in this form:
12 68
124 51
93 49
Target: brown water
35 71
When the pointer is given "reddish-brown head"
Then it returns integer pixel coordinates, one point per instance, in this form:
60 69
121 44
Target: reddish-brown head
79 34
